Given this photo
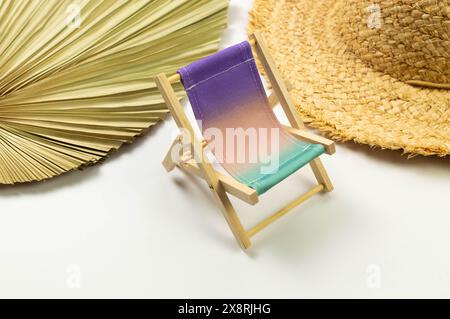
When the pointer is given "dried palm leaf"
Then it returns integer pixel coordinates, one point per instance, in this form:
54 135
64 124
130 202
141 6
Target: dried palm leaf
76 75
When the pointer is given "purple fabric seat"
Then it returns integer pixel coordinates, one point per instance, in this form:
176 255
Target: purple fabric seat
230 104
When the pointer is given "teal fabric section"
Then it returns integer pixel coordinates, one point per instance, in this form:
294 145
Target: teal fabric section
301 156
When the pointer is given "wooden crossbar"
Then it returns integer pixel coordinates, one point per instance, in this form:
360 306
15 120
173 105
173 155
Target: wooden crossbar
174 78
283 211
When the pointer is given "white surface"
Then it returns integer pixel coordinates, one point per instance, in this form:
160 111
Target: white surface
127 229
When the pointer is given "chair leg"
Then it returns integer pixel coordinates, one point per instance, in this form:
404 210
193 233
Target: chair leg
321 174
168 162
231 217
205 167
220 197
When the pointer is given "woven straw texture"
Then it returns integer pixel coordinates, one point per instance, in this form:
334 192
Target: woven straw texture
375 72
76 75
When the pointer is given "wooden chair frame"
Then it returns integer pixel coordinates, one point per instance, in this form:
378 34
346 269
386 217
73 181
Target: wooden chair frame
196 163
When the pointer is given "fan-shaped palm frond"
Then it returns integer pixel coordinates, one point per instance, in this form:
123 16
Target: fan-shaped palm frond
76 76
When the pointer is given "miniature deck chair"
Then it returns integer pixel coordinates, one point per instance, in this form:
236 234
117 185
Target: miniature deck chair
225 91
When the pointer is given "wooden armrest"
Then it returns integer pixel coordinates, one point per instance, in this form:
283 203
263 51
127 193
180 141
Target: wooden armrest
329 145
231 185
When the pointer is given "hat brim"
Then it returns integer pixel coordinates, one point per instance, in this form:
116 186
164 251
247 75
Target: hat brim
339 94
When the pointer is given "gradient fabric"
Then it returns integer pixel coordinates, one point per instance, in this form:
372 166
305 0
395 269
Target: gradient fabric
230 104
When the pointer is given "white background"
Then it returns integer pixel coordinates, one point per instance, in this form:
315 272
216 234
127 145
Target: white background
126 228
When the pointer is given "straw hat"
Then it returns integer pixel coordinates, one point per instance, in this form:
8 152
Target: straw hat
375 72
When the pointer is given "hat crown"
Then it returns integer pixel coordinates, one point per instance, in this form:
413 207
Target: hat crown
407 39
